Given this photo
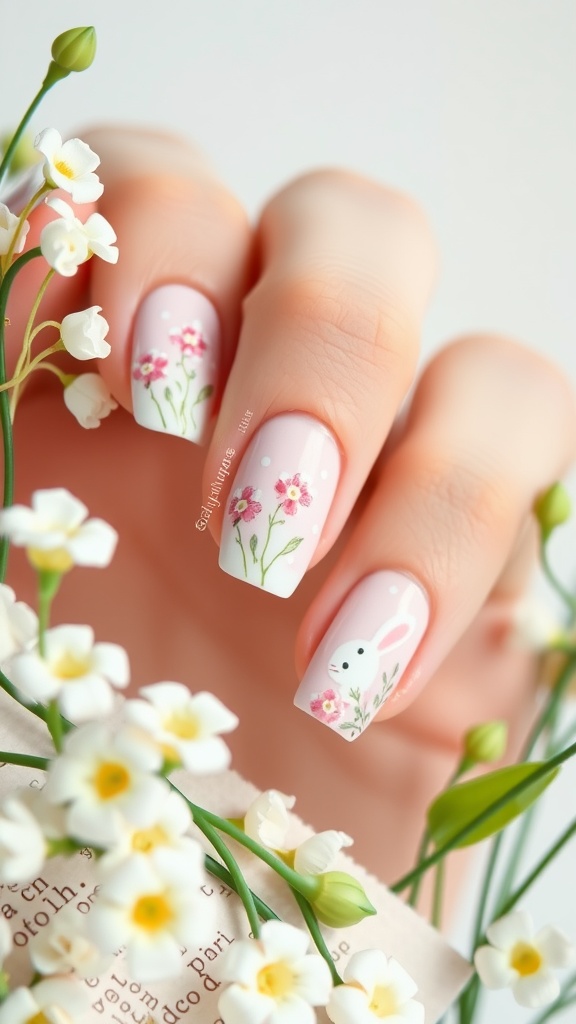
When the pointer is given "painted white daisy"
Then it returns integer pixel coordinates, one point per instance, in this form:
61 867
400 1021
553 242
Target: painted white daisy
70 166
375 987
88 398
83 334
51 1001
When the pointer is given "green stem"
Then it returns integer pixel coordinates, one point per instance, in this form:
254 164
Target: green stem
463 766
271 523
317 937
239 541
7 158
160 413
10 689
213 867
438 895
18 379
231 863
542 864
25 760
565 595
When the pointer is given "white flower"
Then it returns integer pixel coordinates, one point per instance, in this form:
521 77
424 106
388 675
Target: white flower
23 845
63 946
74 670
55 532
53 1001
8 227
102 777
5 939
152 911
18 624
375 988
522 960
69 166
534 626
184 725
89 400
273 979
67 242
266 820
318 853
166 832
83 334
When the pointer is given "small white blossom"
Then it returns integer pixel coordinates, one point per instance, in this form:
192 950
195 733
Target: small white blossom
55 532
88 399
18 624
63 946
8 228
273 979
166 832
318 853
102 777
523 961
534 626
375 988
184 725
74 670
51 1001
66 243
5 939
83 334
70 166
23 846
266 820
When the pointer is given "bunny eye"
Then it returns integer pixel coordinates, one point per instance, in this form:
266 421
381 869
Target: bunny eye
360 650
344 664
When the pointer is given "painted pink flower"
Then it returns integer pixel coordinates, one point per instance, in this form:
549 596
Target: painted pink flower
190 340
292 492
149 367
327 706
245 505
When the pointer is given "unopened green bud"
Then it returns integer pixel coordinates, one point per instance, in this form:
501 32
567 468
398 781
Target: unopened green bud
340 900
552 508
75 49
486 743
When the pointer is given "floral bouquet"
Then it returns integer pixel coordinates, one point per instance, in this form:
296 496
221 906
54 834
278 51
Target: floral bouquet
119 794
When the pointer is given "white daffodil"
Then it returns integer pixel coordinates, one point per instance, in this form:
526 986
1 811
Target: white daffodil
6 941
55 533
318 853
88 399
83 334
74 670
523 961
70 166
152 912
166 832
102 777
184 725
273 979
267 821
66 243
23 846
8 228
63 946
18 624
375 987
52 1001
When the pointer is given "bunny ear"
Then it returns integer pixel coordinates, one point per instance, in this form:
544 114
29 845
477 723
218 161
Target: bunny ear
394 632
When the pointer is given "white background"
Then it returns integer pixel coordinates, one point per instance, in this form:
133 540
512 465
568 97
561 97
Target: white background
470 107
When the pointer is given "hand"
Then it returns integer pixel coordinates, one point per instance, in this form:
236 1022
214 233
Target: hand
319 308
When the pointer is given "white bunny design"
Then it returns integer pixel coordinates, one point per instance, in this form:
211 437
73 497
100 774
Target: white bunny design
355 663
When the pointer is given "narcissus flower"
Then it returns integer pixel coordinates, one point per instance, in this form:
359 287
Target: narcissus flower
88 398
63 946
69 166
273 979
18 624
166 833
524 961
54 1001
23 846
66 243
8 228
375 988
83 334
318 853
266 819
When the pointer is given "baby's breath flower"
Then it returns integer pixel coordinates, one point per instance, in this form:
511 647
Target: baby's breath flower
83 334
66 243
375 988
51 1001
69 166
8 227
266 820
63 946
55 534
74 670
523 961
23 846
88 398
18 624
184 725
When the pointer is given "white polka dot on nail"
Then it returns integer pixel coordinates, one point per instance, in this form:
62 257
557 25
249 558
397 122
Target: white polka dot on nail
315 528
290 559
393 590
265 460
323 474
164 315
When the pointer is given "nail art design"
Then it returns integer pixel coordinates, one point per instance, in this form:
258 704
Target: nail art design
175 361
275 515
348 680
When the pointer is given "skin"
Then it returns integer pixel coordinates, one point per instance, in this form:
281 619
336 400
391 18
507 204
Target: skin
321 304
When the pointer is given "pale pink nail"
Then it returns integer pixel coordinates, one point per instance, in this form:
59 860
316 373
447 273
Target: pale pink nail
175 358
363 654
279 501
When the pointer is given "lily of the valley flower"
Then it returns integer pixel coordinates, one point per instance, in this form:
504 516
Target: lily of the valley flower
184 726
63 946
70 166
88 399
524 961
375 988
18 624
83 334
66 243
23 846
273 979
74 670
54 1000
8 228
55 533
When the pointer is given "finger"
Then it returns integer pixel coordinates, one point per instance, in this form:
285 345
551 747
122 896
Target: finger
327 351
490 426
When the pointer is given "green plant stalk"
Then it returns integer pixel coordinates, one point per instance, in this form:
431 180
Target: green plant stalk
215 868
240 883
568 598
25 760
438 895
7 158
460 770
317 937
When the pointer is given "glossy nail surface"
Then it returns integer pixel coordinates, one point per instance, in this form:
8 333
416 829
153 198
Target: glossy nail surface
175 358
279 501
363 654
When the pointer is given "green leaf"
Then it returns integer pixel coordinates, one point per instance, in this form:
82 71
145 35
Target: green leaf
253 546
291 545
456 808
204 393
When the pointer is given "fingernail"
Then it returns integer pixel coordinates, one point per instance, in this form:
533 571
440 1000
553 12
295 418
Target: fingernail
363 654
279 502
175 357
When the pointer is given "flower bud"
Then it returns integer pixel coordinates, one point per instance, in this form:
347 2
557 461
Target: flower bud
486 743
552 508
340 900
75 49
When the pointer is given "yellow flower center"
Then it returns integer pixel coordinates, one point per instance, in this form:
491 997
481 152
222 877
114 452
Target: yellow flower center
275 980
54 560
293 493
525 959
183 725
67 666
111 779
152 912
148 838
63 168
383 1002
38 1018
241 505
